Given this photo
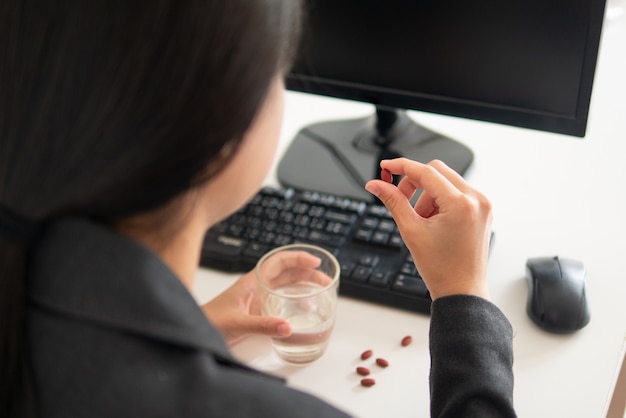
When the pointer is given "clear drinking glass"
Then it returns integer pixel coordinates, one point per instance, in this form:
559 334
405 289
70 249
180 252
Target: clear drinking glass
300 282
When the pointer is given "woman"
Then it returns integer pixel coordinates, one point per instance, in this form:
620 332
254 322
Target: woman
127 129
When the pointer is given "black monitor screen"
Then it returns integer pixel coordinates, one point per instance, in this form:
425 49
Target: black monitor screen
527 63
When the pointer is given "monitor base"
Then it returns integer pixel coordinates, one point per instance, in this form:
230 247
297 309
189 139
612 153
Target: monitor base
339 157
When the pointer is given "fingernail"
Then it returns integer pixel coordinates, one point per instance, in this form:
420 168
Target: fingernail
373 188
284 330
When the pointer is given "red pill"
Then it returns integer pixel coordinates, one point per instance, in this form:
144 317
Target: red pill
366 354
382 362
368 382
363 371
406 341
385 175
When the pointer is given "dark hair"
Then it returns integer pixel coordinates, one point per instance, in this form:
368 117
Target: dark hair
110 108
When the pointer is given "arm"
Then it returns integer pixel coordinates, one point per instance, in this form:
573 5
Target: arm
447 233
471 359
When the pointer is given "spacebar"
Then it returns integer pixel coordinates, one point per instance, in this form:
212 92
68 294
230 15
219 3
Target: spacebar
410 285
225 246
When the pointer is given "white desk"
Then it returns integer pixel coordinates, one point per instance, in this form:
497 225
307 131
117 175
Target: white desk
552 195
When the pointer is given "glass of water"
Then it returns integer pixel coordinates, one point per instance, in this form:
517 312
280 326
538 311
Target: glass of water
300 283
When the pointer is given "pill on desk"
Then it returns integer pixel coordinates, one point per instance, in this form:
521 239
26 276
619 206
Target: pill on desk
363 371
406 341
382 362
367 382
366 354
385 175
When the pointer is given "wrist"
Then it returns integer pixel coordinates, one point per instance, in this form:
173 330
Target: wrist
471 287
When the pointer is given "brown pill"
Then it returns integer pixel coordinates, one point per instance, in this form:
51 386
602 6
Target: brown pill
385 175
382 362
363 371
368 382
406 341
366 354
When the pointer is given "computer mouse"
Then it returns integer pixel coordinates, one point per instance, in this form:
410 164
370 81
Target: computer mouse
557 300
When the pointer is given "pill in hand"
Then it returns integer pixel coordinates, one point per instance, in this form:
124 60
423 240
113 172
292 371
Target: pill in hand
385 175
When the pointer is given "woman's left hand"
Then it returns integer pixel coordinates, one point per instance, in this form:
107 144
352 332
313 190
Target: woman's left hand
236 313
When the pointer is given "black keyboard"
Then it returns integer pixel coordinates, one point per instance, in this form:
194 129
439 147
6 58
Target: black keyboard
375 264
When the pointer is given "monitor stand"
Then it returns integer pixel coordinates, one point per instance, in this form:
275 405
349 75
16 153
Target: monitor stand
339 157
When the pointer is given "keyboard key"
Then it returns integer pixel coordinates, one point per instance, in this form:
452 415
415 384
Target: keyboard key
408 269
364 235
380 238
255 250
356 207
368 260
225 246
346 218
379 279
386 225
300 208
341 203
337 228
302 220
267 237
281 240
316 211
379 211
270 202
325 239
411 285
252 234
361 274
326 199
286 216
347 267
235 230
396 241
370 222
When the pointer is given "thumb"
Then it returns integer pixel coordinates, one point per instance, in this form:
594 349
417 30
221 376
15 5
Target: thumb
393 199
266 325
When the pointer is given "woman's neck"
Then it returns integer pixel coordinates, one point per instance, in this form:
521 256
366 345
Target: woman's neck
176 235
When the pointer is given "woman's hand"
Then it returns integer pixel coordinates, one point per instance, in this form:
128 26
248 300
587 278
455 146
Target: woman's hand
236 312
448 229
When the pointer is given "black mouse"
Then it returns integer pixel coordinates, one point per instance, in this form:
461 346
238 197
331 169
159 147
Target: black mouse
557 300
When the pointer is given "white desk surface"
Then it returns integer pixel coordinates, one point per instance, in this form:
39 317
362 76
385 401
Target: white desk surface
552 195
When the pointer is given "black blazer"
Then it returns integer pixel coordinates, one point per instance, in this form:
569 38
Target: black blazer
114 333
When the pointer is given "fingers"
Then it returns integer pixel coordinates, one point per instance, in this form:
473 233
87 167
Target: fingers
395 200
436 178
270 326
289 267
286 260
297 275
437 181
452 176
242 325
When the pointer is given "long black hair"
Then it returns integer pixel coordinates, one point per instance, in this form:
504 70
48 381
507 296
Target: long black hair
109 108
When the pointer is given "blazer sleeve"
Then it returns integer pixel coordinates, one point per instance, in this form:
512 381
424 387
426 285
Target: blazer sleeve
471 359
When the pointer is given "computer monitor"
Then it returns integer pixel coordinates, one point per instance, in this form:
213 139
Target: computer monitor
526 63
